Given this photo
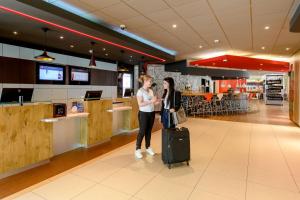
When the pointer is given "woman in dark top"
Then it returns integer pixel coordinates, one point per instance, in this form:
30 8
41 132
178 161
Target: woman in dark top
168 104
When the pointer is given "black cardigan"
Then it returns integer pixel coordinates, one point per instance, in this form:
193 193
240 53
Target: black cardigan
177 104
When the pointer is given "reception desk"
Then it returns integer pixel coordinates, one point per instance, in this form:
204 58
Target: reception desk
29 134
24 139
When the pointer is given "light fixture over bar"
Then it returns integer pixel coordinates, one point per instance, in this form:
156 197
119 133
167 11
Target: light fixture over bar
78 32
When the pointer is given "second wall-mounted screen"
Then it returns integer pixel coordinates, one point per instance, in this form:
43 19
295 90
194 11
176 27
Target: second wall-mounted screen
79 76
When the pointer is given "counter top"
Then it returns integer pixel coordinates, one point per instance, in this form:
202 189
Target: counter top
69 116
24 104
121 108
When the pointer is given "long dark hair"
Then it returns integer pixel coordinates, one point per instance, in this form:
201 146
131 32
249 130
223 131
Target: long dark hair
171 82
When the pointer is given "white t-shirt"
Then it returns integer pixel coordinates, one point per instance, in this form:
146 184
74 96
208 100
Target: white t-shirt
147 96
167 105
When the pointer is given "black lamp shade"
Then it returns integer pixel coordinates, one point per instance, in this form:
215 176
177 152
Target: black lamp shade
44 57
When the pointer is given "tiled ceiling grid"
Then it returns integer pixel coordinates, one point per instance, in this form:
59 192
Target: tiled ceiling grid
238 24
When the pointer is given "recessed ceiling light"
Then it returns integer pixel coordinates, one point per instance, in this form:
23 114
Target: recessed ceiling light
72 46
225 60
200 46
15 33
263 47
61 37
267 27
216 41
174 25
90 51
106 54
103 49
287 49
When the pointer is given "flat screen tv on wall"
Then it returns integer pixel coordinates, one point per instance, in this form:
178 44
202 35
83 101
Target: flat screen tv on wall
79 76
50 74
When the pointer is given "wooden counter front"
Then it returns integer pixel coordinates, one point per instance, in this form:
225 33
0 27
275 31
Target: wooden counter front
24 139
131 116
98 125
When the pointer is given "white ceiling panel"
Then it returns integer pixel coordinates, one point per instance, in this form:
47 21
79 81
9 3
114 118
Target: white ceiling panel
147 6
204 24
175 3
100 4
137 22
184 32
264 7
108 19
167 15
120 11
192 9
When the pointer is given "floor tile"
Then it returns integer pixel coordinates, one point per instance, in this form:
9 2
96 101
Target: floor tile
64 187
221 185
272 179
101 192
96 171
261 192
162 189
29 196
181 174
203 195
127 181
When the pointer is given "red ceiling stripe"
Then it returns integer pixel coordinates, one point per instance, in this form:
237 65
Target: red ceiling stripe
78 32
241 62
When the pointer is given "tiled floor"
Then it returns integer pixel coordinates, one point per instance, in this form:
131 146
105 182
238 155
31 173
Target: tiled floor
230 161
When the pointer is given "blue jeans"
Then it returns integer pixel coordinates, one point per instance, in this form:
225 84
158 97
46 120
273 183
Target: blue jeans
166 120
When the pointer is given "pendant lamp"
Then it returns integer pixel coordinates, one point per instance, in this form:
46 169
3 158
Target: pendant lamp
93 60
44 56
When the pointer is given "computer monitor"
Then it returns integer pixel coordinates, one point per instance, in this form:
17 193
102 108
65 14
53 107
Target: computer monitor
128 92
12 94
93 95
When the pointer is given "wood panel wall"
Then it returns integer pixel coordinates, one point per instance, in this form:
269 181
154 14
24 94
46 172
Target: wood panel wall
24 139
20 71
99 122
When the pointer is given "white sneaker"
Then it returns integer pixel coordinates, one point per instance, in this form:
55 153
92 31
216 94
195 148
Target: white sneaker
138 154
150 151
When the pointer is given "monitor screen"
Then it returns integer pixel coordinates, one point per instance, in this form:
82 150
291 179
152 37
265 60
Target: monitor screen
12 94
93 95
51 73
79 74
128 92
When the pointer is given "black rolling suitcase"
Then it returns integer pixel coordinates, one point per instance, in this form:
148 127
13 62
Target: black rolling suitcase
175 145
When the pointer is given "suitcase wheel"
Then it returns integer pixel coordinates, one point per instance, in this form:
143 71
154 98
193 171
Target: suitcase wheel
169 166
187 163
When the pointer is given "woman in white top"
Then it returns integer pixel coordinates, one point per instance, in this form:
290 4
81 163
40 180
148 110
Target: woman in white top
146 101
